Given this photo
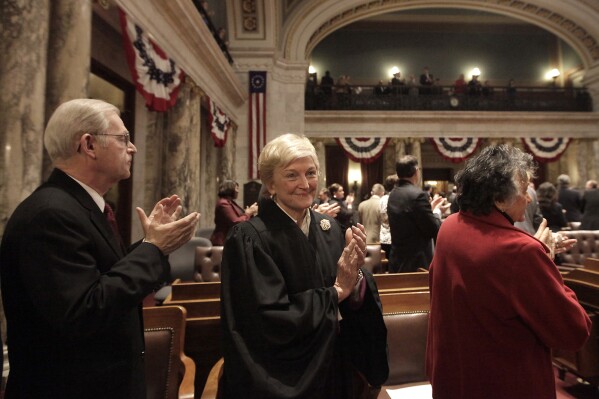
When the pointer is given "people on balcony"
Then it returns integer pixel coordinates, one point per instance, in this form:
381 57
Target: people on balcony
460 85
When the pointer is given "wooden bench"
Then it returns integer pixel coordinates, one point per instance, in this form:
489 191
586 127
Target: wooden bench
405 292
203 333
386 283
585 362
591 264
402 282
406 318
185 291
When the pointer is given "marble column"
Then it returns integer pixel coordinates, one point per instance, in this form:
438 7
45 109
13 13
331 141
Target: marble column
400 148
595 160
321 154
154 159
181 166
23 45
587 160
69 56
227 155
416 151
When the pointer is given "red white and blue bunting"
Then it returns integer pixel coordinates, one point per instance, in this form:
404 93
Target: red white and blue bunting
456 149
156 76
363 150
546 149
219 123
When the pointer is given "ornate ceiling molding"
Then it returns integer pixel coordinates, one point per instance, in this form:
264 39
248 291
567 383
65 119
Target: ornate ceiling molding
547 18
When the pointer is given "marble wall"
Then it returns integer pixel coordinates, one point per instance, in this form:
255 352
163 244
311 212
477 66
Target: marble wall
23 45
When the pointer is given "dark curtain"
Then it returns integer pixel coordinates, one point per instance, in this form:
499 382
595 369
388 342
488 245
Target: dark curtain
336 167
372 173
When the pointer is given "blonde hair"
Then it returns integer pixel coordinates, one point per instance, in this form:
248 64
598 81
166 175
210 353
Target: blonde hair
72 119
281 152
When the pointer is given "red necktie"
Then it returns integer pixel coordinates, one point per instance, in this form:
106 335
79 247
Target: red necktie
108 212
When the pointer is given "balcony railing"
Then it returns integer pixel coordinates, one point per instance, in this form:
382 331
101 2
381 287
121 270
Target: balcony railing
443 98
213 30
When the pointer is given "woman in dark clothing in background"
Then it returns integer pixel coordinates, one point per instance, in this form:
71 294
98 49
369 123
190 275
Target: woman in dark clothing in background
228 213
550 208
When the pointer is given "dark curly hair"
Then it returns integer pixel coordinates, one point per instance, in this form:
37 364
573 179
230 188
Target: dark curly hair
227 189
547 195
492 176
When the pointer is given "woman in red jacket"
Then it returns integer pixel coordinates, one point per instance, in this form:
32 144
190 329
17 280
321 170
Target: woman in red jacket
498 302
228 213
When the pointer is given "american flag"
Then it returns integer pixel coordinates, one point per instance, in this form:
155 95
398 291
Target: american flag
257 119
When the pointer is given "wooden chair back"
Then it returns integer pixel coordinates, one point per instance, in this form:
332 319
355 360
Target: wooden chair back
169 373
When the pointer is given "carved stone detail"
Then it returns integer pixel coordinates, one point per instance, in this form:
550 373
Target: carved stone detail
552 18
249 15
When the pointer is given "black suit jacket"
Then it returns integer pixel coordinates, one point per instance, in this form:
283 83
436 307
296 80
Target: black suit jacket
590 209
345 215
571 200
413 227
72 298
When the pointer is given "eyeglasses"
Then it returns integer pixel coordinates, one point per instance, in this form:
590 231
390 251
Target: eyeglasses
126 136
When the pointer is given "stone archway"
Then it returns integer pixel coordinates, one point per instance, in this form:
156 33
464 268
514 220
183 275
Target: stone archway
311 21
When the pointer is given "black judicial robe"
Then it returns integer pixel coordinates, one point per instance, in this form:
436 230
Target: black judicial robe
281 334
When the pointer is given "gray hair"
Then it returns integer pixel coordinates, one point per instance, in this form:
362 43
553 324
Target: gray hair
563 180
71 120
378 189
283 150
492 176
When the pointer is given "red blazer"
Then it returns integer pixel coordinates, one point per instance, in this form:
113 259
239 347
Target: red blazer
498 306
226 215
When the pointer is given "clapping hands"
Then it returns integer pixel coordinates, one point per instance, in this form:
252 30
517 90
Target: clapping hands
352 258
163 227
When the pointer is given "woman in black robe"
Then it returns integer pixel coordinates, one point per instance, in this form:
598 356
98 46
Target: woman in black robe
300 319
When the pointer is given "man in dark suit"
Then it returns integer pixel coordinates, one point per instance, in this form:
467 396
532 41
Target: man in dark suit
345 214
570 199
414 220
72 295
590 207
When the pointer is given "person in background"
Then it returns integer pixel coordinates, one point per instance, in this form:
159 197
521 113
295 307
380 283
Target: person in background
370 214
474 86
381 89
346 214
460 86
413 218
72 294
590 207
323 196
385 234
298 313
551 209
570 199
228 213
532 216
498 302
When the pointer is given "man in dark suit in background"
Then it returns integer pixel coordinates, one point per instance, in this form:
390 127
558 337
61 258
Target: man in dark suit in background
414 220
590 207
72 295
570 199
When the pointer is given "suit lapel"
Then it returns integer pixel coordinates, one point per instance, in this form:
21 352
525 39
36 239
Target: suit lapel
60 179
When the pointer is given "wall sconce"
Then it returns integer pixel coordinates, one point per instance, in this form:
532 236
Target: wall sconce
311 69
554 74
393 71
354 175
475 72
